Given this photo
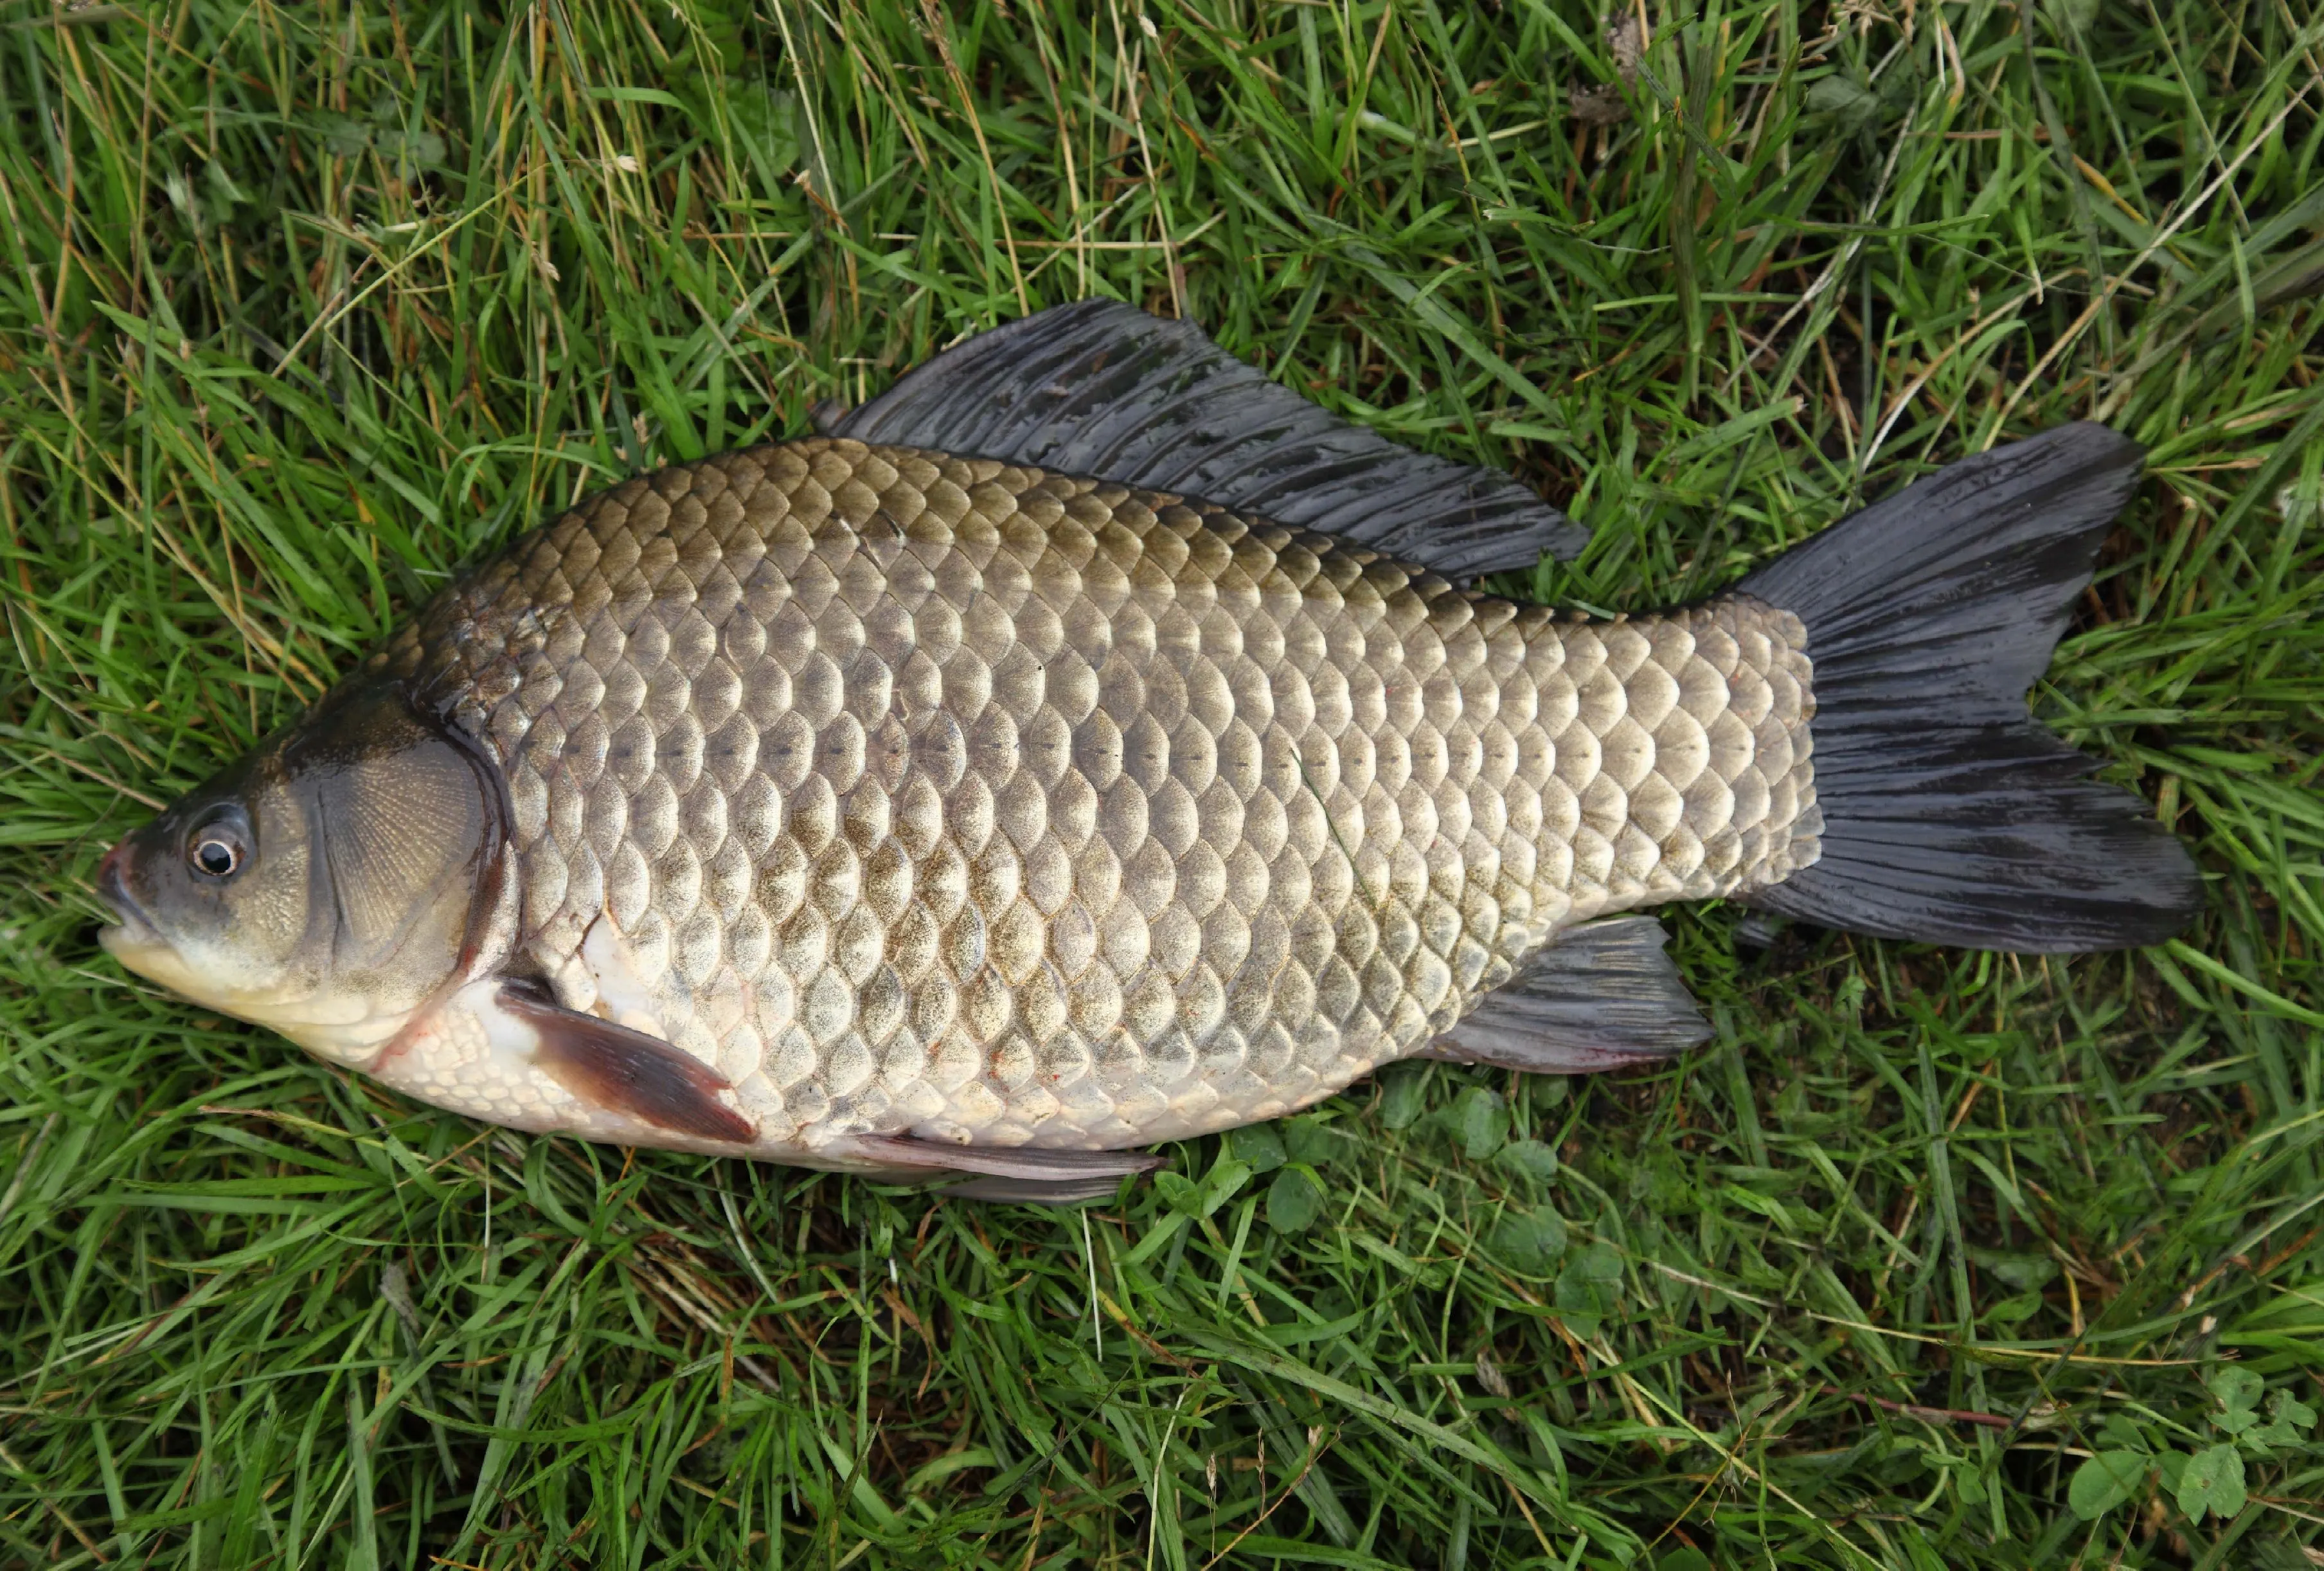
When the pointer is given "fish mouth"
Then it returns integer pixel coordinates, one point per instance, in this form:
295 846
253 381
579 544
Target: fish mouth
131 928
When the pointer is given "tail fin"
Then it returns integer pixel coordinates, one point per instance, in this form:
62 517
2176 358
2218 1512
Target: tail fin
1951 816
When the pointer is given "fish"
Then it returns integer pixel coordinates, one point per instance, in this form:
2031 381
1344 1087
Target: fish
1090 743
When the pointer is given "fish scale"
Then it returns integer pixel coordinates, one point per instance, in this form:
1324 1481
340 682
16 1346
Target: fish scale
909 791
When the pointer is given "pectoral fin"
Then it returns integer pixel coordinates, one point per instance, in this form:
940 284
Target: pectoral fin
1045 1177
1600 996
625 1071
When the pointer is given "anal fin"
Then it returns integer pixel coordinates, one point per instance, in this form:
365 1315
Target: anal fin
1038 1191
623 1071
1601 996
1021 1173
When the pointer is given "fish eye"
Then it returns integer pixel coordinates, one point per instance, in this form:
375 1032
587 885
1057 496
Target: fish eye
217 851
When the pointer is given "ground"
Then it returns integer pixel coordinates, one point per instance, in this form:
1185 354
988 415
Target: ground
1929 1258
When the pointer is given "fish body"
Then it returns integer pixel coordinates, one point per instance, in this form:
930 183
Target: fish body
865 805
1009 808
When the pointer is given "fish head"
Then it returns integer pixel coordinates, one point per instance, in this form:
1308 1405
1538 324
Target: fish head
330 884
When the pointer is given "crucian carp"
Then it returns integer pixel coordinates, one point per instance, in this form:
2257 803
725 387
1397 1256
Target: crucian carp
1090 743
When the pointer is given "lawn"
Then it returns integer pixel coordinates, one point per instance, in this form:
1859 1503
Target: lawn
1929 1258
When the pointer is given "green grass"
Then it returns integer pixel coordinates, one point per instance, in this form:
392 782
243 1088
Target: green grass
300 305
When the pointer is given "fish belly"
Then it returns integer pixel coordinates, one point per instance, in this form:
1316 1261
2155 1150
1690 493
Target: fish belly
923 793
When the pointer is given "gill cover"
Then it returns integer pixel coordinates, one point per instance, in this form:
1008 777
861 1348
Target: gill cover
330 884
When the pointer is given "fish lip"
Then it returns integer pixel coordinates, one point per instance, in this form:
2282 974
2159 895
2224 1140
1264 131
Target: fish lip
130 919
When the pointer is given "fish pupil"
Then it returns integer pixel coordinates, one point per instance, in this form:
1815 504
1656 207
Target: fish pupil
216 857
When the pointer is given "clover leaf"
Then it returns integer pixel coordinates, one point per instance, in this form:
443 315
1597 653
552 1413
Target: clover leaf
2291 1419
1482 1122
2104 1483
2212 1481
1257 1146
1530 1240
1293 1200
2238 1390
1199 1200
1589 1288
1534 1159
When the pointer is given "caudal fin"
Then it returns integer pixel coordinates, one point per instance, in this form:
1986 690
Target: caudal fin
1950 815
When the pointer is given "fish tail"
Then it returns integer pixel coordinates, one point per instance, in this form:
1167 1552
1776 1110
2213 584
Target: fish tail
1950 814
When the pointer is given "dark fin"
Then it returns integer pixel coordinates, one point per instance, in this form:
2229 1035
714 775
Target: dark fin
625 1071
1950 815
1039 1191
1102 389
1023 1173
1599 996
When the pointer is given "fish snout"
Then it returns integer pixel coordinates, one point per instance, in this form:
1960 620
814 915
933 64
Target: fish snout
113 884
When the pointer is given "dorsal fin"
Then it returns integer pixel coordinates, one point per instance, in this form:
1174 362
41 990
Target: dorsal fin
1102 389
